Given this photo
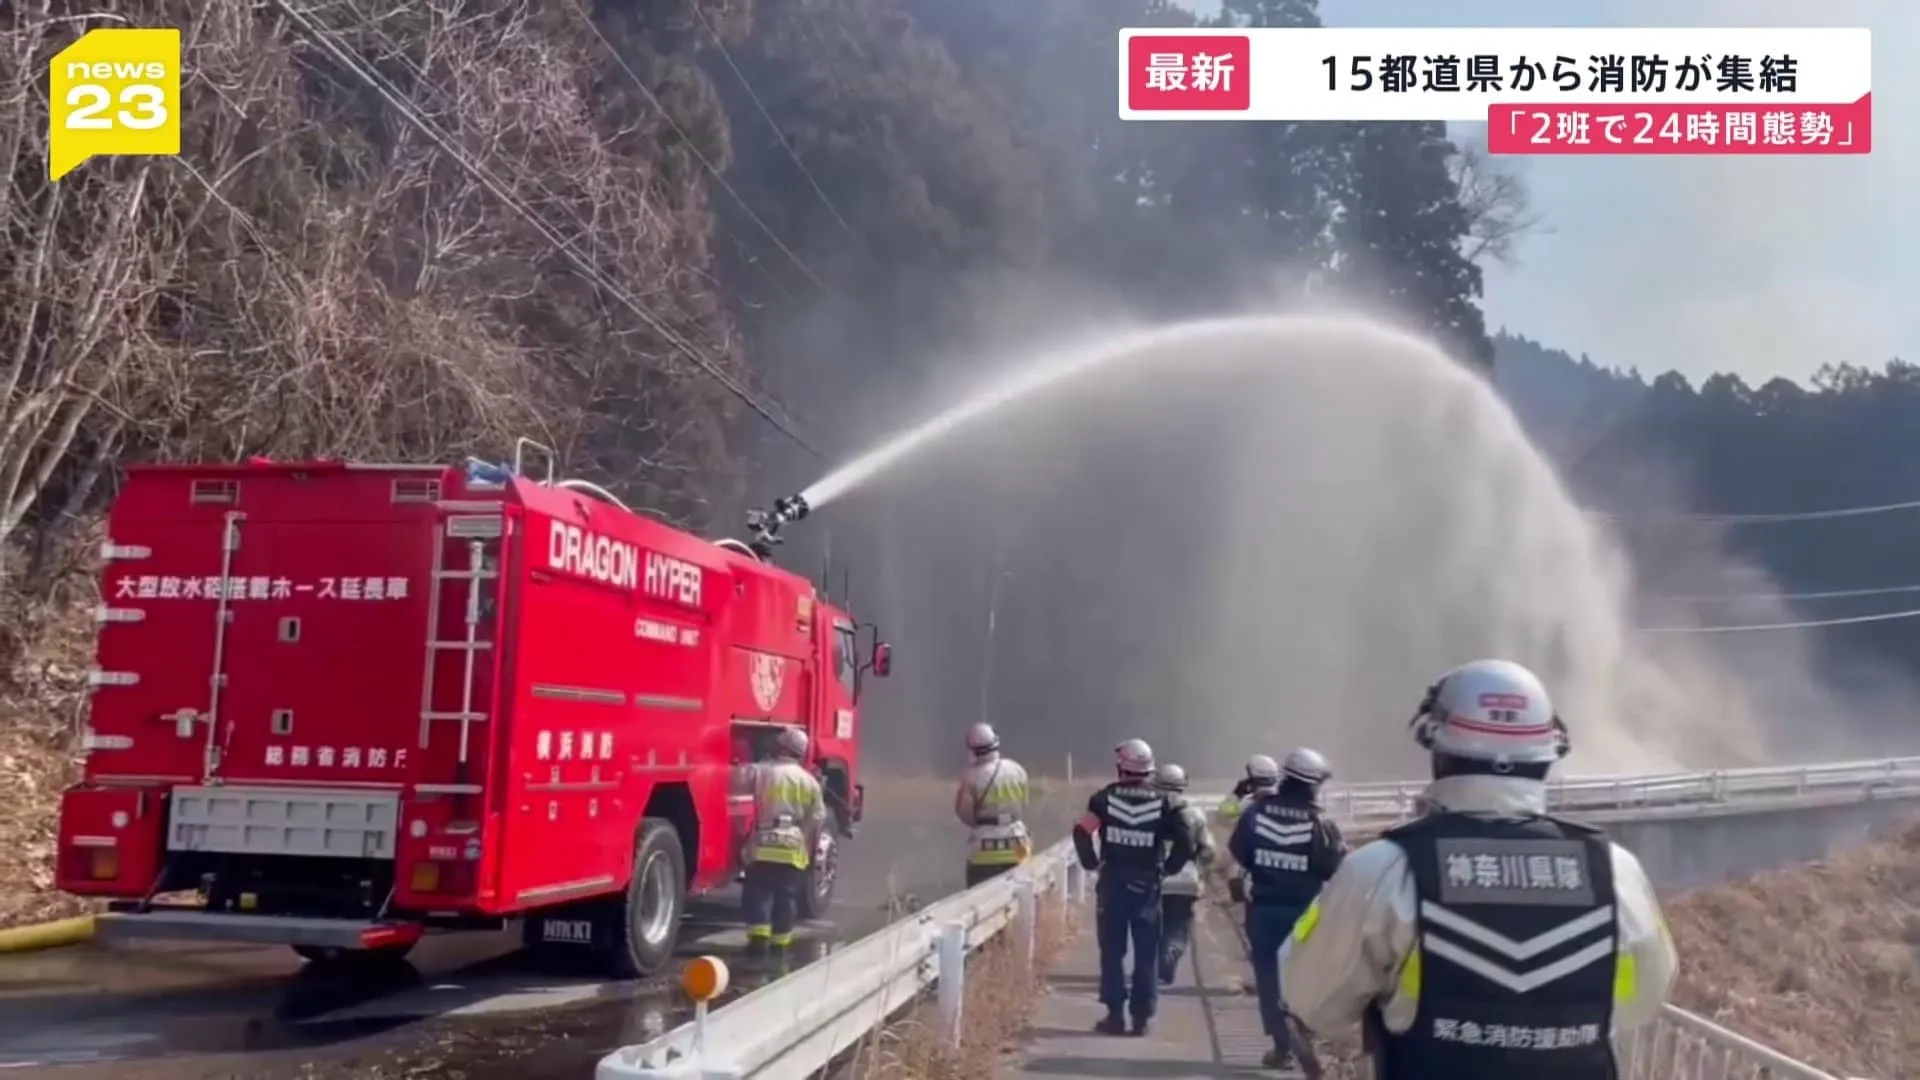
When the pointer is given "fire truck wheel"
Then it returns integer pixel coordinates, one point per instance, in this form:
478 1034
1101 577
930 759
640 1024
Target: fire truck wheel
656 899
821 877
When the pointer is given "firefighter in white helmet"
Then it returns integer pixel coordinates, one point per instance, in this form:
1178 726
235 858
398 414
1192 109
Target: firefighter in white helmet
1263 774
1141 841
1487 938
1180 893
992 803
788 813
1287 847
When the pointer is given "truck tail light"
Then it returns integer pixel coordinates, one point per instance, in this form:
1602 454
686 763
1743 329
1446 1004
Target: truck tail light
103 863
434 877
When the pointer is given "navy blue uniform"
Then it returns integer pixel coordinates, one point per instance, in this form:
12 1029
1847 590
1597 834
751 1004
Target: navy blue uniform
1289 848
1141 840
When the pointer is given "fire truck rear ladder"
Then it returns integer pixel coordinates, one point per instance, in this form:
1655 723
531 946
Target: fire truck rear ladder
476 529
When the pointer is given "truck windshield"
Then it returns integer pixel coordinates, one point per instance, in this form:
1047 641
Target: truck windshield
843 650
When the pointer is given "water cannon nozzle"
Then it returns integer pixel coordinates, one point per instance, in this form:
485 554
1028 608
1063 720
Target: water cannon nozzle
766 524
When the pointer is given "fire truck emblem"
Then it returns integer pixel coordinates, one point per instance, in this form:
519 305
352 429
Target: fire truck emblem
768 673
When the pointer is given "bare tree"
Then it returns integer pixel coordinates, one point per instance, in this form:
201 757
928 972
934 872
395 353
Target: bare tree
337 268
1497 202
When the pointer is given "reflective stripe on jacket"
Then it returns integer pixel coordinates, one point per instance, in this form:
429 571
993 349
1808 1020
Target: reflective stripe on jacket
788 810
992 802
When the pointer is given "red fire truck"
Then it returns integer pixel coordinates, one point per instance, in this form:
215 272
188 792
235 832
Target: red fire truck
347 704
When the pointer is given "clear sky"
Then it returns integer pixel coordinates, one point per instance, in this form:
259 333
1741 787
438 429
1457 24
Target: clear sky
1760 266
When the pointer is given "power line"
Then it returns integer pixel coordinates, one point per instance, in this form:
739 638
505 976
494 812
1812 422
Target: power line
747 85
1885 616
594 275
1831 594
1763 519
694 148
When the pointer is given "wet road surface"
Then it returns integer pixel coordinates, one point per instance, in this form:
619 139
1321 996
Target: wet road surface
465 1007
246 1002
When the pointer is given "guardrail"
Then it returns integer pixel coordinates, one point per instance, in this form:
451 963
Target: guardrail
1682 1046
802 1023
1366 802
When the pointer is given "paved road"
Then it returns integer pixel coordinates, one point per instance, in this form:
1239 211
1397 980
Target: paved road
465 1005
1206 1027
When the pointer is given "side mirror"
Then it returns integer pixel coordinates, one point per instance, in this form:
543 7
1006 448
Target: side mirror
882 660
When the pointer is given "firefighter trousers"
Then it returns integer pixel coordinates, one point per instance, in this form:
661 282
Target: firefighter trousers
1176 930
1128 911
1268 926
771 897
979 872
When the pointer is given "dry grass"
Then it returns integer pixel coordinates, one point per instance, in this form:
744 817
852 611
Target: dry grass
1000 995
1821 962
43 671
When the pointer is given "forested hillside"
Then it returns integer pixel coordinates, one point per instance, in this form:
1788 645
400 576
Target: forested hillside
414 230
1644 448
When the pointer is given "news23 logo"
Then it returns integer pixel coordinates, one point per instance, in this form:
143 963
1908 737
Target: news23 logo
116 91
1189 73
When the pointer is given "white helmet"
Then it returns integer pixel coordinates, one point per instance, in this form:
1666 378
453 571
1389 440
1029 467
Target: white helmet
982 739
1133 759
1263 768
1170 777
792 743
1493 711
1307 766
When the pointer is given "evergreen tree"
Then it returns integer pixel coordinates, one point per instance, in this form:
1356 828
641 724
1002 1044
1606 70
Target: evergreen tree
1400 233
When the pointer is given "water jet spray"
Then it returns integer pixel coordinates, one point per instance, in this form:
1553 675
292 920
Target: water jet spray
1426 531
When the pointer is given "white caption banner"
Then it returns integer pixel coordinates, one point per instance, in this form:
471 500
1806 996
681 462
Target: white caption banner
1393 73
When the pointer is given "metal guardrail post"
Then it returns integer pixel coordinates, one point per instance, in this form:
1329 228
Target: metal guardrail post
1076 882
1029 917
952 985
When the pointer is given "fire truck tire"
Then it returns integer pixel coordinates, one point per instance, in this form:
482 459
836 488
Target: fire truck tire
656 901
817 897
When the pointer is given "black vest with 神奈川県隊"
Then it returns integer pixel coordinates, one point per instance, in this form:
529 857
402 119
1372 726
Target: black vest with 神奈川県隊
1517 947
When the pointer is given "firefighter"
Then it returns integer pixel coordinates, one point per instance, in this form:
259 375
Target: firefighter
1180 893
1487 938
788 812
1262 774
1288 847
1142 840
992 803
